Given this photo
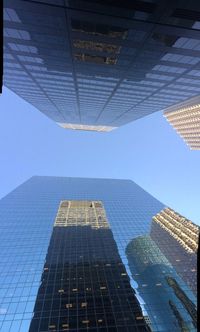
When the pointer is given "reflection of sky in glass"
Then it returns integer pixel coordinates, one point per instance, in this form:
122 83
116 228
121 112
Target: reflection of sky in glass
146 78
28 214
151 268
27 218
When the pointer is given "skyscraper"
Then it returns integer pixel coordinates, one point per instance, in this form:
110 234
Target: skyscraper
65 265
156 277
84 283
185 119
181 235
96 65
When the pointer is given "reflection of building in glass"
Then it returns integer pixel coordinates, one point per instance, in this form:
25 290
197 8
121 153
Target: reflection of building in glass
185 119
182 324
101 64
147 320
167 309
27 247
177 238
188 304
84 285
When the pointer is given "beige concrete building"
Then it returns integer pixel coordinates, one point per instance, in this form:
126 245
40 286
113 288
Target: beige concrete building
178 239
185 119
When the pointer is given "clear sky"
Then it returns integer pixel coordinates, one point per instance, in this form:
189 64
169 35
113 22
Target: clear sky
147 151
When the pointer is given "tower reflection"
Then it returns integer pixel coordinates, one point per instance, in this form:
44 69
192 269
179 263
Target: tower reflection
84 285
168 301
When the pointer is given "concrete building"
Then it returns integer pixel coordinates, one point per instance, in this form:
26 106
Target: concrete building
185 119
178 238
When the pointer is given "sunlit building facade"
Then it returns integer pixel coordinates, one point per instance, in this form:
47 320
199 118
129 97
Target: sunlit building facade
100 64
182 237
78 255
185 119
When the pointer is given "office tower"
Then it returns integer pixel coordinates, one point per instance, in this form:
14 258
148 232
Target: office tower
65 264
185 119
97 65
84 283
156 277
177 237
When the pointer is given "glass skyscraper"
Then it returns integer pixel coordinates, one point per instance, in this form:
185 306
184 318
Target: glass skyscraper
99 64
81 255
84 283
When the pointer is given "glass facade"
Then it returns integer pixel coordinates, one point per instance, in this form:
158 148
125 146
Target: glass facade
182 238
84 285
101 63
156 277
79 255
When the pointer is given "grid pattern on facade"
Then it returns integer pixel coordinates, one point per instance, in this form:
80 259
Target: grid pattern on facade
178 238
81 213
157 278
84 285
101 63
27 230
179 227
186 121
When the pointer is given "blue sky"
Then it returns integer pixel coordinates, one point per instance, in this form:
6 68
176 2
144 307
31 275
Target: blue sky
147 151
